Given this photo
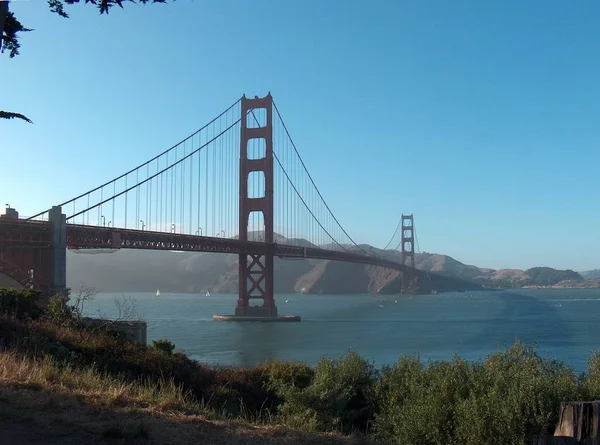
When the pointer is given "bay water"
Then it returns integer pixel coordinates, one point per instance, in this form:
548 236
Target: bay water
562 323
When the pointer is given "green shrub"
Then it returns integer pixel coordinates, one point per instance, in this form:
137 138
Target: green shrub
59 311
340 396
38 345
67 310
514 395
163 345
277 372
417 404
20 303
505 399
590 383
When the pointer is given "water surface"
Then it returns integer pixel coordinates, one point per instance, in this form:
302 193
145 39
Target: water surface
562 323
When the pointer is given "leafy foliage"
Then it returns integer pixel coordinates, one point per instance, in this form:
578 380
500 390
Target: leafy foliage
418 404
590 382
11 115
58 6
506 399
64 310
164 345
513 396
340 396
12 27
19 303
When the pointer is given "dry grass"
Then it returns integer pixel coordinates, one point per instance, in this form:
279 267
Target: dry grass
101 388
41 402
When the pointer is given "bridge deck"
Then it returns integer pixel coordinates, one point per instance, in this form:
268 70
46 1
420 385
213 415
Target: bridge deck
26 244
92 237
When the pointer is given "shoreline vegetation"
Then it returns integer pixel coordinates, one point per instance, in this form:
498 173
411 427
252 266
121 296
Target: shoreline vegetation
64 381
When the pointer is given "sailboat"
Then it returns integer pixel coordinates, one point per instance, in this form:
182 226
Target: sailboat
157 293
207 293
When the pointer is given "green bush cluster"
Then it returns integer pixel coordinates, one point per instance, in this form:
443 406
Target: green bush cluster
164 345
19 303
506 398
339 397
59 311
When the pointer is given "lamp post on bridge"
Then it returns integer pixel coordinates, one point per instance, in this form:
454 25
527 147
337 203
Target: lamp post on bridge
109 223
103 220
143 225
199 231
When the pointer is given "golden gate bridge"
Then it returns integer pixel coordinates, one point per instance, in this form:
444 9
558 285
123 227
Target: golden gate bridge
237 185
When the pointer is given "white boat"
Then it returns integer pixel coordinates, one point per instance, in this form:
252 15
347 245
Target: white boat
157 293
207 293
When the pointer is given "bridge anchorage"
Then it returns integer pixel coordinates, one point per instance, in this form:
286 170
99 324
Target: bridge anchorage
237 186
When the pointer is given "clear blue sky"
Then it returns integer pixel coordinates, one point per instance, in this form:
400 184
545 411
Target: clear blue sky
481 118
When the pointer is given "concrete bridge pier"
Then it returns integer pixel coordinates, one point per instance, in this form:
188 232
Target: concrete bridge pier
58 246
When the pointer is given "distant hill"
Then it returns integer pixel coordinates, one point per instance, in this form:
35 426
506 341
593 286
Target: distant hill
146 271
591 274
490 278
447 266
546 276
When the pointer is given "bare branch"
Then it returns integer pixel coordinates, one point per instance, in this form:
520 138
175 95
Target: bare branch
126 308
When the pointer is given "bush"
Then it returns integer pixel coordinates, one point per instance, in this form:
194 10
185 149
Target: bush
276 373
252 392
590 383
514 395
62 311
59 311
38 345
20 303
418 404
163 345
506 399
340 396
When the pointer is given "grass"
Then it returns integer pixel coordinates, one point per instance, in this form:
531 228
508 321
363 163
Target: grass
43 398
103 389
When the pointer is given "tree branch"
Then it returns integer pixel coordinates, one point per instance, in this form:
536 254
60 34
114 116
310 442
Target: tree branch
9 30
10 115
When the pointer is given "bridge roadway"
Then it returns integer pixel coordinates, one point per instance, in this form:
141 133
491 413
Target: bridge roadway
36 234
91 237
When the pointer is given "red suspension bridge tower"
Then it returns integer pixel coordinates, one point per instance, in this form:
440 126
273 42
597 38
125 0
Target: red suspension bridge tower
408 246
256 268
